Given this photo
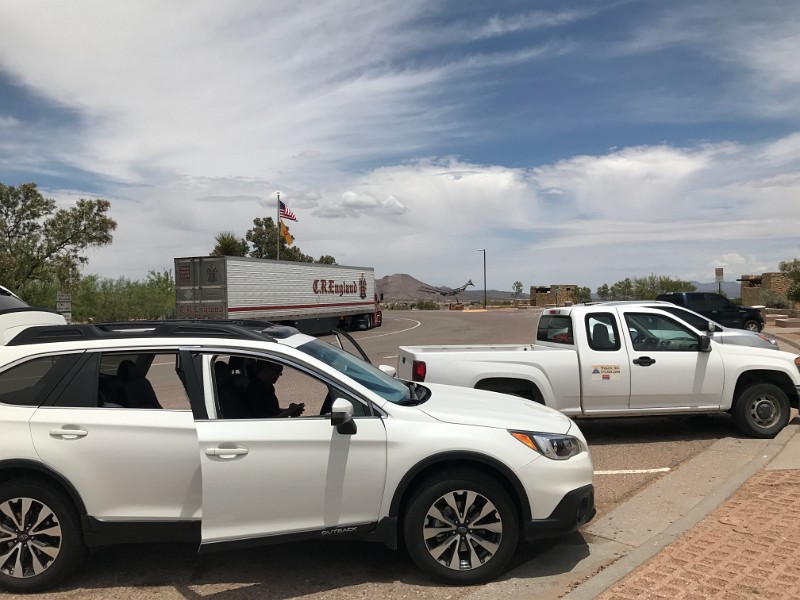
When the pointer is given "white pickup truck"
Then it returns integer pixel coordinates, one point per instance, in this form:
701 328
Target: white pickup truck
610 361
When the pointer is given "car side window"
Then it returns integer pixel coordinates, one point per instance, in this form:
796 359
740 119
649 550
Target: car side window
145 380
601 332
249 387
555 328
29 383
715 302
650 332
696 302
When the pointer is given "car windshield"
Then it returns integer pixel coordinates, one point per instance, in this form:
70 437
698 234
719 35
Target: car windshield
697 321
375 380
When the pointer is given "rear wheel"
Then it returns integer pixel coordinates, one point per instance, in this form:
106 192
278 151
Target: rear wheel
751 326
462 530
39 536
761 410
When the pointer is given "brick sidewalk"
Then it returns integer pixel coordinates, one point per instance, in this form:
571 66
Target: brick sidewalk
747 548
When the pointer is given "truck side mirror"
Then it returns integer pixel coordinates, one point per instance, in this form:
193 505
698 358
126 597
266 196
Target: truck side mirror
705 343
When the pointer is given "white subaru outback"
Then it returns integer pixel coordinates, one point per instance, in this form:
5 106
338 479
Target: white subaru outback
173 431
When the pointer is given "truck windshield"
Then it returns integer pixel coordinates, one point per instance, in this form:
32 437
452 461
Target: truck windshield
375 380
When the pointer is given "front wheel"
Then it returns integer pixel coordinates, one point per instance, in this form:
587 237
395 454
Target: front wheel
752 326
462 530
39 536
761 410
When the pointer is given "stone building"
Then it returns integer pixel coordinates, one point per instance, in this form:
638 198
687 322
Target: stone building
753 285
553 295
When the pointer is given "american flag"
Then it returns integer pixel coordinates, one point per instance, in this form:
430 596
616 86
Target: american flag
286 212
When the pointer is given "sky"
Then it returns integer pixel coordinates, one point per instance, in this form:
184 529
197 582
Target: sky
570 142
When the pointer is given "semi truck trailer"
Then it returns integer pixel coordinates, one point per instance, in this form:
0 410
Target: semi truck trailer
310 296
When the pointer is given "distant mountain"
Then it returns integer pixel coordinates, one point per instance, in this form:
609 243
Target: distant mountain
405 287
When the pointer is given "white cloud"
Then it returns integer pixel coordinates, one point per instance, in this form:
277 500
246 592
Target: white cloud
200 112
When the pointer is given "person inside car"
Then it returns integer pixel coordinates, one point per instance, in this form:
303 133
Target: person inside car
261 400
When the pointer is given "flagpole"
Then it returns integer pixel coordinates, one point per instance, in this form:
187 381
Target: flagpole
278 230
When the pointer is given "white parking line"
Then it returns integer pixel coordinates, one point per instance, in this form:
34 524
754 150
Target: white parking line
366 337
632 471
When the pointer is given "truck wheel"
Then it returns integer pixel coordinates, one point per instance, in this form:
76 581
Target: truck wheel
751 326
39 536
761 410
462 530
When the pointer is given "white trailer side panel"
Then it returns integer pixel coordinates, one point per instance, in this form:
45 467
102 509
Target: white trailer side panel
249 288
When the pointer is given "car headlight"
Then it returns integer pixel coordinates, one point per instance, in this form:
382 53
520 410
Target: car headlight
556 446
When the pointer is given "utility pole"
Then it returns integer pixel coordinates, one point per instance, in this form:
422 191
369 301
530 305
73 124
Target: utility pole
484 276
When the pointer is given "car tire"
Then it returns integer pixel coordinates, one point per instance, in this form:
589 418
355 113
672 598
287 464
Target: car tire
761 410
462 529
40 538
752 326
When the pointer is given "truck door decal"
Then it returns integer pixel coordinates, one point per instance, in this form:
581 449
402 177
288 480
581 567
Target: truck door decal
606 372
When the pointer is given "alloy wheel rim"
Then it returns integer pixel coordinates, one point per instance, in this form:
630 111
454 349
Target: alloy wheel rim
30 537
462 530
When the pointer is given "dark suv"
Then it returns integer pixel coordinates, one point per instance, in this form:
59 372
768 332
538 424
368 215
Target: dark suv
717 308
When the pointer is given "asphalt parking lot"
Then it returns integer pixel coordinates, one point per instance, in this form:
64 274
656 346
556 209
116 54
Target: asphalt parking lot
628 454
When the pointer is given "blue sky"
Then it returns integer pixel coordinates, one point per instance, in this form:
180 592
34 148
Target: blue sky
577 142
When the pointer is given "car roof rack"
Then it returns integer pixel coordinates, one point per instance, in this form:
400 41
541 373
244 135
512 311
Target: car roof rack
230 328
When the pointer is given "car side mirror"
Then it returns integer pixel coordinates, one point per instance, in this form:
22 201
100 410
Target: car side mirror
711 327
342 417
390 371
705 343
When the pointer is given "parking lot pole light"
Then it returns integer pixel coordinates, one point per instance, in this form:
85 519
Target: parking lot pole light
484 276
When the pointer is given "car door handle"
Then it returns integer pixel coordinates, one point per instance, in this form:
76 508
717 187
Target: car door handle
68 434
644 361
226 452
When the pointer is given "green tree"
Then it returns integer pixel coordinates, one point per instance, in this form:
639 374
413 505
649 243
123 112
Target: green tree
643 288
517 289
229 245
41 245
791 269
101 299
622 290
264 236
583 294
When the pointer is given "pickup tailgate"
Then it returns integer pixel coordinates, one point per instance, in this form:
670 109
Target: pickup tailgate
407 355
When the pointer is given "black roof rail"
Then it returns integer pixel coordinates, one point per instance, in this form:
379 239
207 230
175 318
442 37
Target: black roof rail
18 309
238 329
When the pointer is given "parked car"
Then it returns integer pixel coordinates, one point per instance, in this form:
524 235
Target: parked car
458 476
717 308
719 333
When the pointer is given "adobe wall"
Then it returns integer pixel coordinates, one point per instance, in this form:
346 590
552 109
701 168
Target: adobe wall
753 284
553 295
